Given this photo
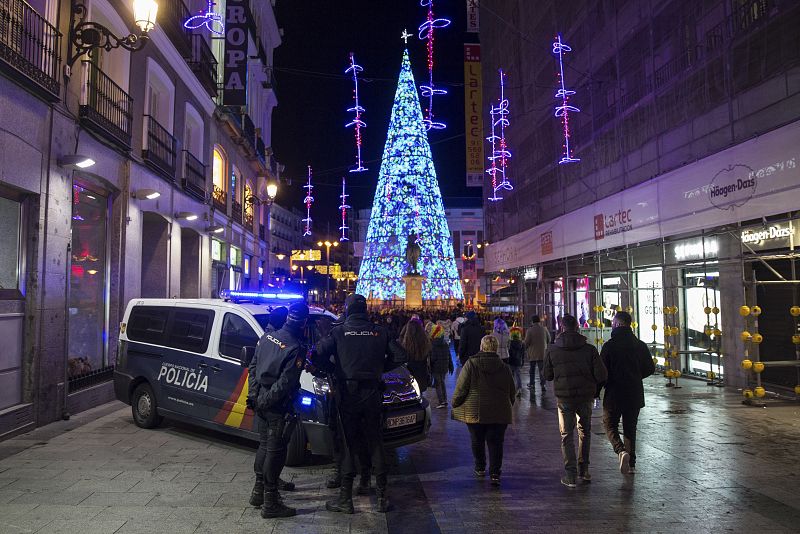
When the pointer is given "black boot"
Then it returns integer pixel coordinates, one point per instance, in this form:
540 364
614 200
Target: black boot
273 507
363 484
344 503
283 485
383 500
257 495
335 480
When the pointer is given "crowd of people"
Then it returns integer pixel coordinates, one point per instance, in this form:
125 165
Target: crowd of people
490 354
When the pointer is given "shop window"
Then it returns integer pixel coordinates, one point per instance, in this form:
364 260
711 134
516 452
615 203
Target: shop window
236 333
87 282
558 302
701 291
611 297
10 248
582 301
649 308
216 250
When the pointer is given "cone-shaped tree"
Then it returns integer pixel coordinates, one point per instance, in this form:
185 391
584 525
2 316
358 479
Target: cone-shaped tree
408 201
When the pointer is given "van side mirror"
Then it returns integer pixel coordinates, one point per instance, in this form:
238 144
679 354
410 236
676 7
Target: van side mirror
247 355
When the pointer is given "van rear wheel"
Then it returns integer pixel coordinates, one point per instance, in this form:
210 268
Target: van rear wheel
144 407
296 449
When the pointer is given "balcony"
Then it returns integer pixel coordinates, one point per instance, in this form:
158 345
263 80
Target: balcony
201 61
159 151
219 198
30 45
171 15
248 217
243 127
194 176
236 211
105 108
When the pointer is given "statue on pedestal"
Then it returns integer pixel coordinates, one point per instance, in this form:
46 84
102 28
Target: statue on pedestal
413 252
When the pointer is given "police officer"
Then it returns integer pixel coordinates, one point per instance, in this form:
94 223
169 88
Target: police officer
277 318
275 372
361 351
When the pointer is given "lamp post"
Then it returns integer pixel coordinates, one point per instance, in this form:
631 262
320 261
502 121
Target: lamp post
328 245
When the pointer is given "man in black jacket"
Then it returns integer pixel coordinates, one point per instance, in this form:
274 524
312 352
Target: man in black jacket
275 377
361 351
471 334
577 372
628 361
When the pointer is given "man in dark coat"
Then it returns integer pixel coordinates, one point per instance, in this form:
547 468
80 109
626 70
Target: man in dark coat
471 334
577 371
628 361
275 374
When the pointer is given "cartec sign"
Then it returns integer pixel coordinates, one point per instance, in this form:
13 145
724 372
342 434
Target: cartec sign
616 223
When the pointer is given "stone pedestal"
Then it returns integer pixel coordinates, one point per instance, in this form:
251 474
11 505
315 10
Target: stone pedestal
413 290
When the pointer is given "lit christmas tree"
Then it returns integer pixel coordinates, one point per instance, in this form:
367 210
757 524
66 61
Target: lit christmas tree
407 202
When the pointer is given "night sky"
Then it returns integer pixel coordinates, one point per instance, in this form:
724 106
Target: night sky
314 92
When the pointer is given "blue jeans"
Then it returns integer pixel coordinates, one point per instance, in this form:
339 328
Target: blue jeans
568 413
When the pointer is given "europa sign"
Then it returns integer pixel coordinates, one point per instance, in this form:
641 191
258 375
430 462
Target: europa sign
774 236
237 15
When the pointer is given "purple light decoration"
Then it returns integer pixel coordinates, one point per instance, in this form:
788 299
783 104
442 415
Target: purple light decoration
357 123
343 209
208 19
500 153
308 201
565 108
428 91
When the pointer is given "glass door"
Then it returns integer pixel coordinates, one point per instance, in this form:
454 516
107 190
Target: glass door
650 310
701 294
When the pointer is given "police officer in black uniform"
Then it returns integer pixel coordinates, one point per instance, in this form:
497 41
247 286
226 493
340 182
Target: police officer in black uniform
275 372
361 352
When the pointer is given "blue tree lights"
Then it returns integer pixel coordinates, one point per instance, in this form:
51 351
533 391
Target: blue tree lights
356 123
343 208
428 91
308 201
565 108
407 200
500 152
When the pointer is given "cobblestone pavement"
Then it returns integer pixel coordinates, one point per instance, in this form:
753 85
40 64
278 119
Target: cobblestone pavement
706 463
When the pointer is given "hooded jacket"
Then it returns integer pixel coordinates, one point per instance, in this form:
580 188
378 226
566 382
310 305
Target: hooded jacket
628 361
575 368
471 334
485 391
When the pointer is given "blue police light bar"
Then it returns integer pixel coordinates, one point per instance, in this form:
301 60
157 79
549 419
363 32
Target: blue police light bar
305 400
258 295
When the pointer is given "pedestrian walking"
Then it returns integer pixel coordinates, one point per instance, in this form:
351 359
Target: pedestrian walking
500 331
455 332
577 371
472 333
483 399
274 375
536 340
361 352
417 345
628 361
516 356
441 363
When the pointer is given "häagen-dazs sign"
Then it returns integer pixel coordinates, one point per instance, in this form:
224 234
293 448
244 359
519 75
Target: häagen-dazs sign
732 187
778 235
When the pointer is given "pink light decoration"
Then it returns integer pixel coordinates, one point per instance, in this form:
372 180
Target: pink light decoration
500 152
308 201
565 108
343 209
357 123
426 33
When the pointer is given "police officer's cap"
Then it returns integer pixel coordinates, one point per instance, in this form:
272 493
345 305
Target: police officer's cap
355 303
298 312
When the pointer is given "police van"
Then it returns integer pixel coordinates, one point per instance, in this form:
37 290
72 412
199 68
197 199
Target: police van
187 359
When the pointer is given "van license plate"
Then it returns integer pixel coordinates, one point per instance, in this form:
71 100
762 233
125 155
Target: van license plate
401 420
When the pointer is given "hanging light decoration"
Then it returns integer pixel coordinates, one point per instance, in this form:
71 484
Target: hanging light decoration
343 208
428 91
308 201
500 153
565 108
356 123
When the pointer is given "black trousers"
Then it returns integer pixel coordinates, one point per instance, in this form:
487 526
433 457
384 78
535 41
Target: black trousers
274 434
630 418
491 436
340 452
362 420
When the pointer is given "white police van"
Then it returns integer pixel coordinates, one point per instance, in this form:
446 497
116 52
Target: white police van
187 359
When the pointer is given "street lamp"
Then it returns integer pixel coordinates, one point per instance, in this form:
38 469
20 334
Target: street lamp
86 36
328 272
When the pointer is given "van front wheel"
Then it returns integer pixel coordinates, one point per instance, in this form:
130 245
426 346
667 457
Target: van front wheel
296 448
144 407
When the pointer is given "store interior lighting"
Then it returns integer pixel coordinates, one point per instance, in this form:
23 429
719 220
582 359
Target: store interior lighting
75 160
149 194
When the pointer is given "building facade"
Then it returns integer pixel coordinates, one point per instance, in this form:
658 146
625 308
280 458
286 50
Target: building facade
682 207
175 204
286 231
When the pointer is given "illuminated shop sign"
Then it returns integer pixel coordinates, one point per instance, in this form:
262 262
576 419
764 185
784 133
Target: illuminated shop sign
530 273
773 236
695 249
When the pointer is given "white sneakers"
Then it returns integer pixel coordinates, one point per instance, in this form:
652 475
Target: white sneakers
624 463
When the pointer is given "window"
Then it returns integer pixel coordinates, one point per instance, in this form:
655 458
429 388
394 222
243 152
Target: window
193 134
216 250
190 329
147 324
236 183
10 246
218 169
236 333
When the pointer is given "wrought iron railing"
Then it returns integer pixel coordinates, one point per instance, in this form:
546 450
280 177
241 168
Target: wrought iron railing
159 151
220 199
105 107
90 378
30 44
672 68
171 16
194 176
202 62
236 211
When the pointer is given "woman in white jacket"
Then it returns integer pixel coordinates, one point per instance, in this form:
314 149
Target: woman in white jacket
501 332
